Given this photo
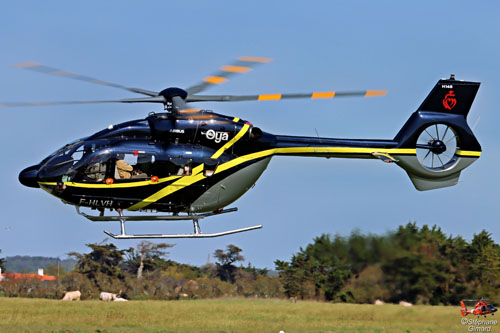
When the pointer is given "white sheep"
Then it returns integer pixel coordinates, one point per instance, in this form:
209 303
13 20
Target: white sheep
403 303
72 296
108 297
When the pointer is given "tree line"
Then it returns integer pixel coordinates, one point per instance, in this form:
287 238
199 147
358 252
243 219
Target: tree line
30 264
421 265
418 265
2 263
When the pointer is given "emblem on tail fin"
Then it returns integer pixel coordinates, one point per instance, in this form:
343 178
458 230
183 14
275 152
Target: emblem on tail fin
449 100
443 97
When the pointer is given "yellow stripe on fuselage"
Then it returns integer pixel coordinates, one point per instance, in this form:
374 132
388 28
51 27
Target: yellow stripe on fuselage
197 175
180 184
188 180
260 154
122 185
468 153
47 183
231 142
239 160
119 185
342 150
300 150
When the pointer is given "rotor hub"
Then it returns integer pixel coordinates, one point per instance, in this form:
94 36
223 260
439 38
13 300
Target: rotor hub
171 92
438 146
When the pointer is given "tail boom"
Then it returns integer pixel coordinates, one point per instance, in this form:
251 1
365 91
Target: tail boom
433 146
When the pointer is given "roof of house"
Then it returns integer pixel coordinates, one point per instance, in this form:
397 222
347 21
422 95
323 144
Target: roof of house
16 276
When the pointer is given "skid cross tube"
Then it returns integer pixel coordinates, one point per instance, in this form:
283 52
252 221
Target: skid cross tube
193 217
103 218
122 222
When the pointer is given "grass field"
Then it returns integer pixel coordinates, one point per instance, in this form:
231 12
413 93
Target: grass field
228 315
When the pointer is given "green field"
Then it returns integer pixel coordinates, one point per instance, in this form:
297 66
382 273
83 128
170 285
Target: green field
227 315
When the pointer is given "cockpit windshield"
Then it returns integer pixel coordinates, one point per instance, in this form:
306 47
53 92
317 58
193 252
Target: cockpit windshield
65 149
65 160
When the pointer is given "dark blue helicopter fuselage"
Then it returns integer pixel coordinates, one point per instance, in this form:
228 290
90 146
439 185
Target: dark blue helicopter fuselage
201 161
174 151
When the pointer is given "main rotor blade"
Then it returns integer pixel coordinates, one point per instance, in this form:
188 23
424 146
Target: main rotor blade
269 97
34 66
156 99
240 66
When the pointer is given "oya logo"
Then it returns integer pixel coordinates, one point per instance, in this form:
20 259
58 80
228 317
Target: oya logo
449 100
216 136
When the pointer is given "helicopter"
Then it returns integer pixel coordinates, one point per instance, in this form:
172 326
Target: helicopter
480 309
188 163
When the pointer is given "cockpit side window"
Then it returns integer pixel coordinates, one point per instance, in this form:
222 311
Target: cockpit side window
78 154
96 172
98 168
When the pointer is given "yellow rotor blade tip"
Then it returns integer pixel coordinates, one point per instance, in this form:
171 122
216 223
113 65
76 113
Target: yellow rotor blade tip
375 93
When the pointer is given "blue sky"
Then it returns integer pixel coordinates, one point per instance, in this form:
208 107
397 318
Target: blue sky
319 45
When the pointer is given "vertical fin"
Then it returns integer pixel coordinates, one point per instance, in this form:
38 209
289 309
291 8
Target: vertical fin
451 96
463 311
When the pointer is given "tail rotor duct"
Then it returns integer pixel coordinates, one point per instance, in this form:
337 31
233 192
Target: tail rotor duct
436 147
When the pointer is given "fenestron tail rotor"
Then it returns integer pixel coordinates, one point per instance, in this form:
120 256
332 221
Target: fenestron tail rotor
176 99
436 147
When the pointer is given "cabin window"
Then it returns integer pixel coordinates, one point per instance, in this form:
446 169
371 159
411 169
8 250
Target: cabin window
135 165
181 166
209 166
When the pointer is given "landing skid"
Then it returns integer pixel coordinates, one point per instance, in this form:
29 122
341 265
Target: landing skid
194 235
193 217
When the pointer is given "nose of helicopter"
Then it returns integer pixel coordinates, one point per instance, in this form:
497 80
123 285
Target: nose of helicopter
29 176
